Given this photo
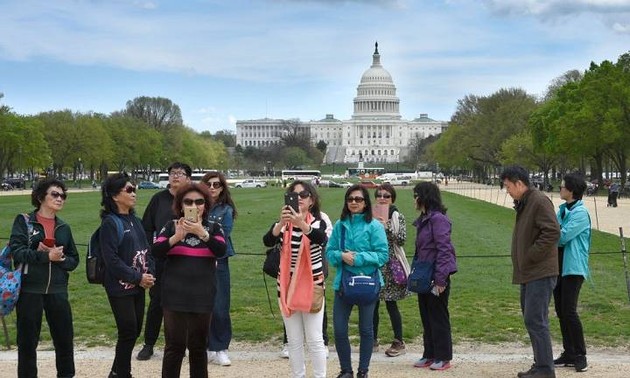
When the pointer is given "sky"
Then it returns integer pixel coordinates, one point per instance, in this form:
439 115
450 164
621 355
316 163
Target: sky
228 60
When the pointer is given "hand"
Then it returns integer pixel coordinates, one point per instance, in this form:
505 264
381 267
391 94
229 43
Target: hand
54 253
147 281
180 232
195 228
348 257
440 289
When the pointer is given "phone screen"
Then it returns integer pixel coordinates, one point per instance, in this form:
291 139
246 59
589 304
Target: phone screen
191 214
291 199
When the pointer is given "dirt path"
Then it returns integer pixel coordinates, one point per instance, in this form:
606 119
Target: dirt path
261 360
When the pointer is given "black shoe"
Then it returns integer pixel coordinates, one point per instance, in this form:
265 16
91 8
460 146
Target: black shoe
564 360
145 353
346 374
362 374
580 364
535 373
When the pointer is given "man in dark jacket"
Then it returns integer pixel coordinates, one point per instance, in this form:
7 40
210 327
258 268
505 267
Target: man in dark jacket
535 264
157 213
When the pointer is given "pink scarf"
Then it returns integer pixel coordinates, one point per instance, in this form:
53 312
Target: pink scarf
296 292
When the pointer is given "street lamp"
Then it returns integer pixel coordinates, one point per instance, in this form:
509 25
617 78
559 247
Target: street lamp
80 168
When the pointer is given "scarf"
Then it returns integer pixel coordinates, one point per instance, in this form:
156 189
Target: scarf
296 291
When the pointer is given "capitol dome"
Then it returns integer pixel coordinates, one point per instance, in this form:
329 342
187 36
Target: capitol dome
376 93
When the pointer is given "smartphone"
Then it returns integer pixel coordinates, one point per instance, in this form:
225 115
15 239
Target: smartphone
191 214
49 242
380 211
291 199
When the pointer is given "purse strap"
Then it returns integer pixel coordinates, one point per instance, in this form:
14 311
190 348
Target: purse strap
342 243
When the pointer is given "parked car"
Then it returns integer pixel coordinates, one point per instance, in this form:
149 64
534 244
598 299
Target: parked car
148 185
341 184
6 186
403 180
368 184
251 183
13 182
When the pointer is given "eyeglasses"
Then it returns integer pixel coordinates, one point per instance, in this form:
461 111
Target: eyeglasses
355 199
177 174
304 194
197 202
214 184
386 196
55 195
130 189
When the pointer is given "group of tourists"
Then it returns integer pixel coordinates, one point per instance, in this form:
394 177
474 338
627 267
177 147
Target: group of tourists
179 251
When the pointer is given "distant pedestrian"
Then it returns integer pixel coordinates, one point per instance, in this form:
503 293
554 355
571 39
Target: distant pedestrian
535 264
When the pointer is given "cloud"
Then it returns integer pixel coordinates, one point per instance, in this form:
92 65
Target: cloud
613 13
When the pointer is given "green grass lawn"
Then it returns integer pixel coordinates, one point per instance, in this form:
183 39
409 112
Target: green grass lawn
484 304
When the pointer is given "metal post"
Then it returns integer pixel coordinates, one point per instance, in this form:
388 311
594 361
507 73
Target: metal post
596 214
625 260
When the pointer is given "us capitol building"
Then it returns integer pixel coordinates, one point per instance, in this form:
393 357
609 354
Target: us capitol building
375 133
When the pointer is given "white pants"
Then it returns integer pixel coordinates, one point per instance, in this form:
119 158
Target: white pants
303 326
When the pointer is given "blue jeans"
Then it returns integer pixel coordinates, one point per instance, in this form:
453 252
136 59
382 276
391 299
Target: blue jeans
220 332
535 299
341 318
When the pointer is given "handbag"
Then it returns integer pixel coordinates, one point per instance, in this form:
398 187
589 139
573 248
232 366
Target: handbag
421 276
271 265
398 273
11 279
358 289
318 299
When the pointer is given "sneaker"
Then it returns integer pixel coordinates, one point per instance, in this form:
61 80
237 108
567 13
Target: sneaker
397 349
580 364
145 353
423 362
284 353
211 356
564 360
440 365
221 358
362 374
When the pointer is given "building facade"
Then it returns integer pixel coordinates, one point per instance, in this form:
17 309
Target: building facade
376 133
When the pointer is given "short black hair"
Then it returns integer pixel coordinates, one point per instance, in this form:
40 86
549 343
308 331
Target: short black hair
576 184
39 191
112 185
178 165
515 173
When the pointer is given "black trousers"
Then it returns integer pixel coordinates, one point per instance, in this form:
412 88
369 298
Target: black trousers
29 311
185 330
154 314
565 297
128 313
436 325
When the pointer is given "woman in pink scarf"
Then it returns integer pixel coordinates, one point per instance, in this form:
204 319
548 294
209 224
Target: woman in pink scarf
302 234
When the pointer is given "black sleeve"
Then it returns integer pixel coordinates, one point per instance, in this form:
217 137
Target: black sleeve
318 234
216 242
161 246
269 240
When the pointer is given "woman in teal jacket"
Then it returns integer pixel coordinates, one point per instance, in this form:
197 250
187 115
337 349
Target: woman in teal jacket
573 250
358 244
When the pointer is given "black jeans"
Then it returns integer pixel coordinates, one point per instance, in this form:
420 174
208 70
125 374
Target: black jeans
565 297
181 330
436 325
394 316
29 324
128 313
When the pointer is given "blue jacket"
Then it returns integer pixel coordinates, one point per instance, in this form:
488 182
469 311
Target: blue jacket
223 214
575 238
368 240
433 243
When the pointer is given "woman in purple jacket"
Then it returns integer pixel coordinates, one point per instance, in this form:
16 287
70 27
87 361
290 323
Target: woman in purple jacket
433 243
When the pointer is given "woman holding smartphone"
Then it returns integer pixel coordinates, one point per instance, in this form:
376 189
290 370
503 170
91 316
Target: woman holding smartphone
191 246
302 232
44 245
128 265
223 211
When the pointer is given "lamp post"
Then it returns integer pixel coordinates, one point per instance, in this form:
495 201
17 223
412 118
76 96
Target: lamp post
80 168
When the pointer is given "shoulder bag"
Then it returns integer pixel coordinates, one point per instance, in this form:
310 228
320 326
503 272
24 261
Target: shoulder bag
358 289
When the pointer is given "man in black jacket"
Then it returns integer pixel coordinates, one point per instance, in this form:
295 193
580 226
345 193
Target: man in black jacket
158 212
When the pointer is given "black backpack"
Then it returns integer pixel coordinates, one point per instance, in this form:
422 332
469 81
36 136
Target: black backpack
94 266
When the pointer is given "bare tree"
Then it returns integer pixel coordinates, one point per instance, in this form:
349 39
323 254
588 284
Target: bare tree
158 112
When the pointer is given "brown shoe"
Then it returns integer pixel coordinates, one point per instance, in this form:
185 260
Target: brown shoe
397 349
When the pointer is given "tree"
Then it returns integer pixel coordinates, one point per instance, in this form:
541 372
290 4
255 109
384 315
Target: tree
158 112
295 134
322 146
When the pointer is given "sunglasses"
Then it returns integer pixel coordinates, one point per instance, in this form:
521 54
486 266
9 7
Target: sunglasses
130 189
304 194
355 199
386 196
214 184
197 202
55 195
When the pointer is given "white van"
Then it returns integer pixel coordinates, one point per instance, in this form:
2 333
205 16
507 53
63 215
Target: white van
163 178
